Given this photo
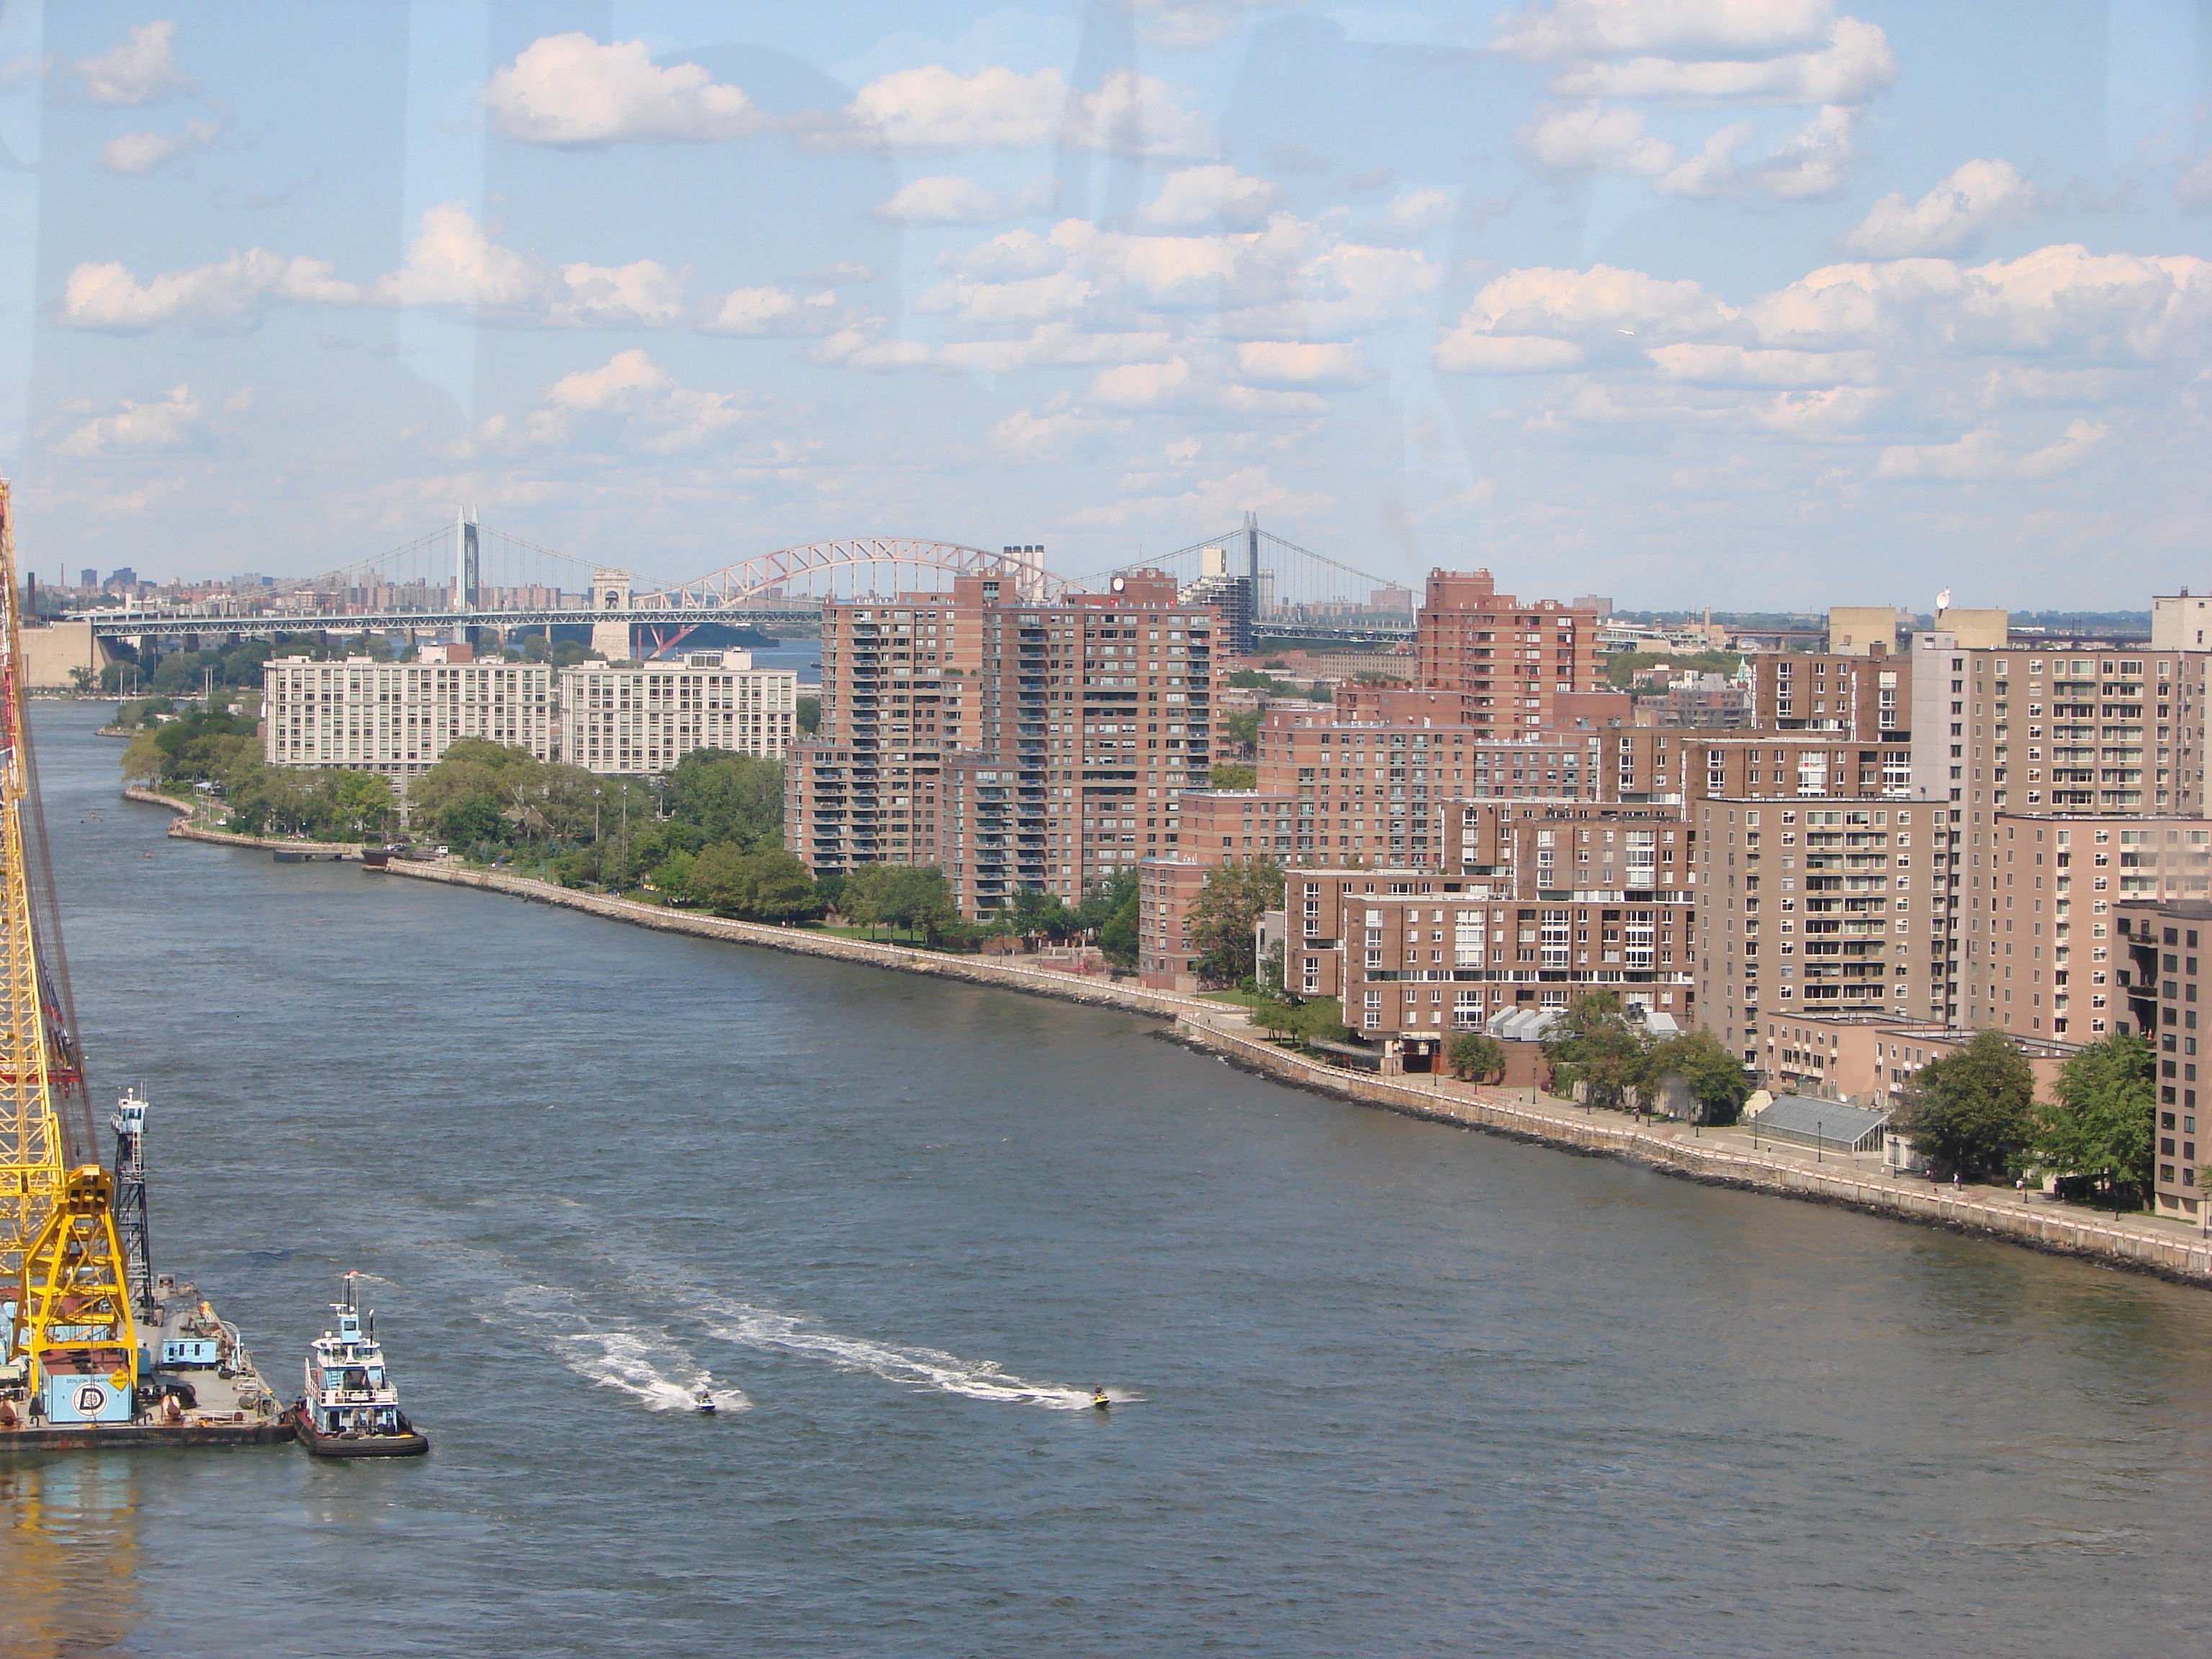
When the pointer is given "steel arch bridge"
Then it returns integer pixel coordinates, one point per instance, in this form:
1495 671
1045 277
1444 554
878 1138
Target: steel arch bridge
733 587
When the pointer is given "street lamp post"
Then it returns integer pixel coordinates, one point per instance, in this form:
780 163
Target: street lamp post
1818 1144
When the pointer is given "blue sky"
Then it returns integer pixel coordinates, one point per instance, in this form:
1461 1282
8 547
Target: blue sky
1745 303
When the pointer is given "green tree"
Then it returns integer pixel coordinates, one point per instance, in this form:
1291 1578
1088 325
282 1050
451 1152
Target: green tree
1117 936
1243 730
1225 915
1968 1110
1105 899
728 796
1035 912
2100 1124
1606 1049
810 716
1475 1058
472 822
1234 775
1714 1075
366 802
671 877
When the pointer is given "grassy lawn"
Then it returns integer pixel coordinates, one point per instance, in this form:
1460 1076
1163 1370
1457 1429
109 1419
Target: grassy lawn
1240 998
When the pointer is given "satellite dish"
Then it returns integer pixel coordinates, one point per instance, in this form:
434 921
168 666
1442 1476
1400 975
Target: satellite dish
1943 600
1119 582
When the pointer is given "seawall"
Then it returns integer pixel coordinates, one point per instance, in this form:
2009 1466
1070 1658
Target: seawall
2138 1246
186 827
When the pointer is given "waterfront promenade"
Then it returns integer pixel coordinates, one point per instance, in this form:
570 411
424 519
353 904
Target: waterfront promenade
1727 1157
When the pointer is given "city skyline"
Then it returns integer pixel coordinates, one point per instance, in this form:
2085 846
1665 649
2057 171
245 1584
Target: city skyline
1689 296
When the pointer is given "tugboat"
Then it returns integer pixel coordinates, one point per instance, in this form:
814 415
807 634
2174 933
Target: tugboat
351 1408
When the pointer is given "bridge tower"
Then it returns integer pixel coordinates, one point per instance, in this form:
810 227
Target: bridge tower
468 588
610 637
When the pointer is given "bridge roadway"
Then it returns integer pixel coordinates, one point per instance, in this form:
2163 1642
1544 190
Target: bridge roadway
164 625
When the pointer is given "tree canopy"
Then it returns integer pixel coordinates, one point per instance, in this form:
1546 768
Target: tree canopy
1605 1048
2100 1123
1224 915
1970 1110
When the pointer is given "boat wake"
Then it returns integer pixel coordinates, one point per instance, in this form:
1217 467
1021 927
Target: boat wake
767 1329
649 1366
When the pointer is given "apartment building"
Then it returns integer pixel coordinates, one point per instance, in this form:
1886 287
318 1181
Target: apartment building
1015 743
2166 946
1815 905
2056 730
1515 660
639 719
1858 697
1412 956
398 719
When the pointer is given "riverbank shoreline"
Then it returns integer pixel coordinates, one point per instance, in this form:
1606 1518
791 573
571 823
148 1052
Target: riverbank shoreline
187 827
1670 1148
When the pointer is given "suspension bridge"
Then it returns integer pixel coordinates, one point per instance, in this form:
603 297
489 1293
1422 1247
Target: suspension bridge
468 579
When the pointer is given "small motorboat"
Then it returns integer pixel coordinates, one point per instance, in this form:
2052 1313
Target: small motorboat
1098 1399
703 1401
351 1406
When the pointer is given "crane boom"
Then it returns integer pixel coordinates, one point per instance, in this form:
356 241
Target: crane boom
68 1310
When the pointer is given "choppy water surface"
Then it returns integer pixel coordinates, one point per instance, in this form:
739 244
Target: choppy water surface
1387 1388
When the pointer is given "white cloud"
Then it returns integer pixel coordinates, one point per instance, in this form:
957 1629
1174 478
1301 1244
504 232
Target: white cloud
142 69
108 297
135 154
1705 364
1949 219
1299 363
998 108
948 199
1712 170
1984 454
570 89
1855 64
1592 304
1054 345
1418 212
1592 139
170 423
775 311
1199 198
451 263
1296 279
1814 162
1674 28
1470 351
1055 435
631 396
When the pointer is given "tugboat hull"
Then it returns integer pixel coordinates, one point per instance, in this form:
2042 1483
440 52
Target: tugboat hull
410 1444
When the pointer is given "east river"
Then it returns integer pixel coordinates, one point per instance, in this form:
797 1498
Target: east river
1386 1388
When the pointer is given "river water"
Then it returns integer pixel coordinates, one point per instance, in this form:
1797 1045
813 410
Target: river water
1387 1388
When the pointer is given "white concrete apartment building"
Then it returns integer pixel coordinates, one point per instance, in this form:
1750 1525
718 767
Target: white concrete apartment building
399 718
639 719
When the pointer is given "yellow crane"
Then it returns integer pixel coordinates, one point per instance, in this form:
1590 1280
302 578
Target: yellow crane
67 1317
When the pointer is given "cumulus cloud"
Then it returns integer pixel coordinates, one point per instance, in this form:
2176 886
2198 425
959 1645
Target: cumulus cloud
1984 454
949 198
936 108
1949 219
170 423
1855 64
135 154
451 263
106 297
1592 139
142 69
1302 363
1295 279
775 311
569 89
1198 199
1418 212
1674 28
629 397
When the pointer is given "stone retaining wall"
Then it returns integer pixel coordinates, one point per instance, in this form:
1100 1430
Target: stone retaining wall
186 829
2064 1231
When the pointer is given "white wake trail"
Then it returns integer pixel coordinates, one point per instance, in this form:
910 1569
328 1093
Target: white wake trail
919 1368
649 1366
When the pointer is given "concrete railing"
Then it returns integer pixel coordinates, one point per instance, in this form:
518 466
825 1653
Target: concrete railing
2069 1232
2065 1231
979 970
187 828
